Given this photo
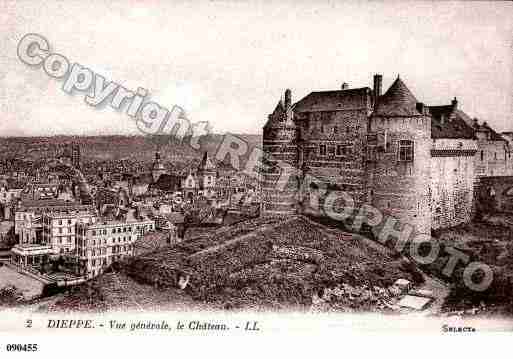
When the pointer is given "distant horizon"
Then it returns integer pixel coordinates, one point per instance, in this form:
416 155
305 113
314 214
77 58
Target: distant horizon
124 135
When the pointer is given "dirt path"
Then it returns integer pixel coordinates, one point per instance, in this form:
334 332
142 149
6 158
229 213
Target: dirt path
239 239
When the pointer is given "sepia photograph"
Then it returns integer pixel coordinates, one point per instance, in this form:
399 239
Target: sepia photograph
244 168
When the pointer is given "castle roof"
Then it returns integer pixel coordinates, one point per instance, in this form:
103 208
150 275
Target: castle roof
398 101
449 122
333 100
277 117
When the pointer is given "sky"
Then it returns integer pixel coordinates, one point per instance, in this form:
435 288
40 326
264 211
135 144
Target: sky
229 62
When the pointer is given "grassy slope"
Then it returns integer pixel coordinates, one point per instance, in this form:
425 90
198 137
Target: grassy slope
261 263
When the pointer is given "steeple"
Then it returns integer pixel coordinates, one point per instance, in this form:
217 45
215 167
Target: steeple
206 164
158 167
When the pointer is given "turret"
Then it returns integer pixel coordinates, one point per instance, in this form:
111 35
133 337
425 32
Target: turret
399 172
280 137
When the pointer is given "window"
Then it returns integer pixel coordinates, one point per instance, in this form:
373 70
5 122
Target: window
322 150
482 155
343 150
495 155
406 151
322 128
335 129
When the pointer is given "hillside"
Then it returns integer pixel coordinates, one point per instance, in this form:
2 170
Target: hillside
258 264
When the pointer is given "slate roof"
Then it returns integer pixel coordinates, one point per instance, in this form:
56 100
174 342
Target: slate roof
142 178
167 183
398 101
333 100
494 136
449 122
174 217
45 203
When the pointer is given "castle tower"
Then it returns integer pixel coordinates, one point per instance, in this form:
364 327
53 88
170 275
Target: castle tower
280 147
398 157
207 175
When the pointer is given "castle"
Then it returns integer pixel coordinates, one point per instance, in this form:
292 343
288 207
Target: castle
417 163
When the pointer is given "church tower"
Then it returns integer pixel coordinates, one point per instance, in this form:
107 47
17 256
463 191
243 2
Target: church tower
158 168
207 176
280 147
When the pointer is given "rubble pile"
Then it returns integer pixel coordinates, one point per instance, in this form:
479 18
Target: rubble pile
10 296
347 298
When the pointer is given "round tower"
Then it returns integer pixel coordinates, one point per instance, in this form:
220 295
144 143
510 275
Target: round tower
398 159
279 180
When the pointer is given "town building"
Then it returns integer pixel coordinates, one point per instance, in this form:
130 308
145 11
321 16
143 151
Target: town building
101 243
59 227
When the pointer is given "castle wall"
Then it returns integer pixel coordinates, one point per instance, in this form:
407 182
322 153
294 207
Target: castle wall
452 181
401 188
331 154
492 159
280 147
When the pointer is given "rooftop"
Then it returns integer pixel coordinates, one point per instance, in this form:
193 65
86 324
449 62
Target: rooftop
398 101
348 99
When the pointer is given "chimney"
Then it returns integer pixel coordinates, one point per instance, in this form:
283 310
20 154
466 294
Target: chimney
378 82
454 103
288 99
476 122
345 86
288 107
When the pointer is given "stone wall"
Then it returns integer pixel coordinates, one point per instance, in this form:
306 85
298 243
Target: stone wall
452 181
331 154
279 182
492 159
401 188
